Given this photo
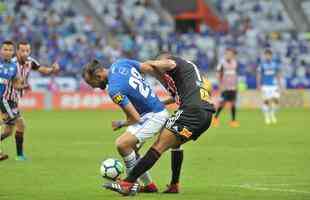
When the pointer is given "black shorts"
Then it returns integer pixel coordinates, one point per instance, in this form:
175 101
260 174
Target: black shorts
10 111
189 123
229 95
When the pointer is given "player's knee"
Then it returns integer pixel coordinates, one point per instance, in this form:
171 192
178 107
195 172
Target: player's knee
7 133
122 145
8 130
177 147
20 126
161 145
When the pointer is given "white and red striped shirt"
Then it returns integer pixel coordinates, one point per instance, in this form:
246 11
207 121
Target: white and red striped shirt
23 71
229 73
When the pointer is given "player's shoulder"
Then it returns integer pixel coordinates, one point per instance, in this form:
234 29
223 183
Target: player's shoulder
179 60
116 85
14 63
116 92
33 60
14 59
124 61
119 63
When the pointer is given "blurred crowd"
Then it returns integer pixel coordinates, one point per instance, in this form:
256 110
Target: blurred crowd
59 33
55 30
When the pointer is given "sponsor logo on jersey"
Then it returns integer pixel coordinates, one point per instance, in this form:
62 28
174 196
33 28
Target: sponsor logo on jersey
186 133
118 98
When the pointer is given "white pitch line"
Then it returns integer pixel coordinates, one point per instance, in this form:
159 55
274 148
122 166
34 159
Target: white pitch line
251 187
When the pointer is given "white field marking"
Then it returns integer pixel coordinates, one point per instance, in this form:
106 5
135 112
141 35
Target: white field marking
260 188
281 184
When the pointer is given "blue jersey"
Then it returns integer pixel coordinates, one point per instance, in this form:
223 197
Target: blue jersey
8 71
127 84
268 71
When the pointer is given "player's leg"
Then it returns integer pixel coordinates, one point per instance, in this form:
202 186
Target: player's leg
125 145
6 131
266 95
221 106
223 101
8 124
128 186
137 134
274 105
8 117
3 156
177 156
180 128
165 141
19 138
233 109
266 111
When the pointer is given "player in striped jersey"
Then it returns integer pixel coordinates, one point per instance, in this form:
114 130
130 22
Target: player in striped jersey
227 71
25 64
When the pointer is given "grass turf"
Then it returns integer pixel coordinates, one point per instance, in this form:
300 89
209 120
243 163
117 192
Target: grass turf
254 161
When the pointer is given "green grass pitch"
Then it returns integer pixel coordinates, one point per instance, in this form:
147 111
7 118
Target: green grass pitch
254 161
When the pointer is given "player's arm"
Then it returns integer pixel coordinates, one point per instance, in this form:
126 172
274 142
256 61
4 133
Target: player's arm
53 69
168 101
157 66
49 70
132 115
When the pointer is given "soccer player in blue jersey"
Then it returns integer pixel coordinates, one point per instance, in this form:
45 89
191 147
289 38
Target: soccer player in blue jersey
145 113
8 72
268 81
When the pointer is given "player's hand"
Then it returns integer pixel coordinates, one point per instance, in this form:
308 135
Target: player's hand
117 124
55 68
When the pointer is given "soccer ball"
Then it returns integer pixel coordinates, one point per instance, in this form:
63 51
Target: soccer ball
111 168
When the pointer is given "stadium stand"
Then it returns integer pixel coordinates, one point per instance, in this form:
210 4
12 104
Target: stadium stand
59 32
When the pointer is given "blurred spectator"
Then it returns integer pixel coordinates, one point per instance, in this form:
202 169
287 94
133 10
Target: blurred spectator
57 32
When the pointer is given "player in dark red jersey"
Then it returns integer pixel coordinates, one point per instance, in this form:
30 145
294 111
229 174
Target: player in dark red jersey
191 120
25 64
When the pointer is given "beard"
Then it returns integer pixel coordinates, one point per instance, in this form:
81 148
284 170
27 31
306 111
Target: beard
103 84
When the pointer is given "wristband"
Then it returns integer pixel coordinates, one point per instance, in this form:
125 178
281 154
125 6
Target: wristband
121 123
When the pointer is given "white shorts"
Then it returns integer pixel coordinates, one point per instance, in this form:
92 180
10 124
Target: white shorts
270 92
150 125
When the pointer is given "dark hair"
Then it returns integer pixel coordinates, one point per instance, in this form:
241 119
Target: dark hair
90 68
8 42
22 43
268 51
234 51
164 53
